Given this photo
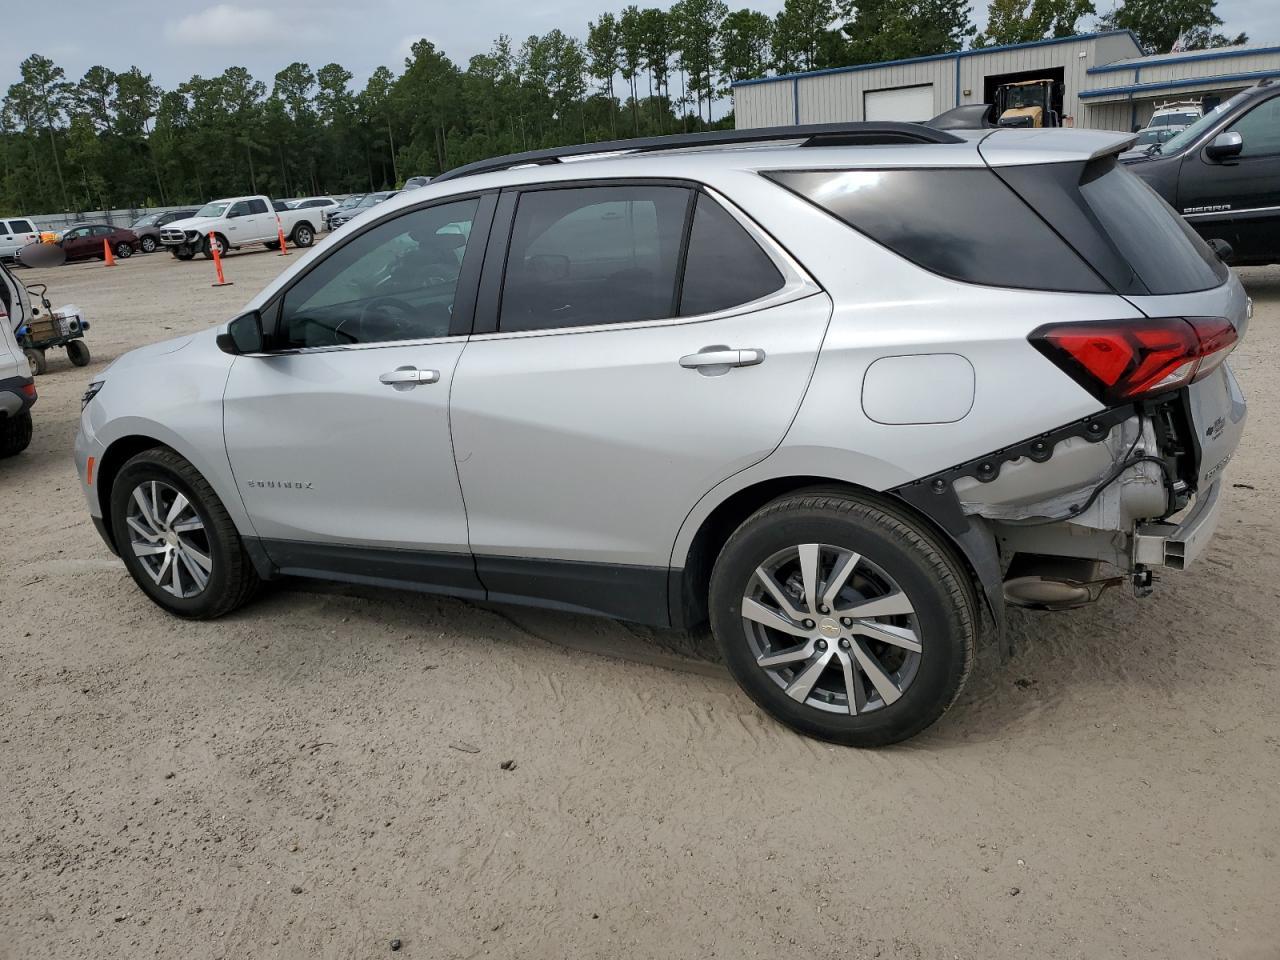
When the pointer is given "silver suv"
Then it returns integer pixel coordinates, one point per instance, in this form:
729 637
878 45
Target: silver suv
842 391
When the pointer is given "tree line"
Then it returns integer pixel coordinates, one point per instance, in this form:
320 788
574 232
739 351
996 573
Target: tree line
119 140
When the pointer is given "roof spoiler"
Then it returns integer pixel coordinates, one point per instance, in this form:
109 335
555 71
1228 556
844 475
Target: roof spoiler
971 116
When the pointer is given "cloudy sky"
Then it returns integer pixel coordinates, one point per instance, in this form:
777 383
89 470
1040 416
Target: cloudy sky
176 39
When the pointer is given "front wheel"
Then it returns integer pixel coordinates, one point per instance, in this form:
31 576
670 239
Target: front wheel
303 235
214 242
176 538
147 244
843 618
78 352
36 360
124 251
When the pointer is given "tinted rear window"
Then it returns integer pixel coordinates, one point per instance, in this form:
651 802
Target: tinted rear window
963 224
1166 254
725 267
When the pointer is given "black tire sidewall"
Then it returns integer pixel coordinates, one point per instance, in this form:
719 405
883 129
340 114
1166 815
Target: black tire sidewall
78 353
141 468
300 231
942 665
15 434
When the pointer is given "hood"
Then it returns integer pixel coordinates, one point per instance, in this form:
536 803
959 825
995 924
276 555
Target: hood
200 224
142 355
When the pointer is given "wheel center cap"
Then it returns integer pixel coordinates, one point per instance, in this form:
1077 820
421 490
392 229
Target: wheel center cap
171 538
829 628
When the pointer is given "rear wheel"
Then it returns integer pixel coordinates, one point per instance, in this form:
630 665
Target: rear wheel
78 352
842 618
15 433
303 235
176 538
36 360
124 250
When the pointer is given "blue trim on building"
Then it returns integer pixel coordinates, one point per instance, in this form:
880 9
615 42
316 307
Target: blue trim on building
957 54
1189 58
1178 84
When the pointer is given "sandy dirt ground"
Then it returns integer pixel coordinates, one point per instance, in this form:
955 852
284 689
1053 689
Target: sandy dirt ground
321 773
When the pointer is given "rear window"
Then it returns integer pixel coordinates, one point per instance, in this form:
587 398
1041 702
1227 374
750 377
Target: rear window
1166 254
964 224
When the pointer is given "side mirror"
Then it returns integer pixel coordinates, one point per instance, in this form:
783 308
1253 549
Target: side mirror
1225 146
244 335
1222 249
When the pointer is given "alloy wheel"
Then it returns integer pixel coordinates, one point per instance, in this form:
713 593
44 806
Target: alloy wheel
168 537
832 628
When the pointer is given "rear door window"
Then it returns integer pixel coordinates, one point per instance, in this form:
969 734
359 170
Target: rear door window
964 224
593 255
257 206
21 226
725 267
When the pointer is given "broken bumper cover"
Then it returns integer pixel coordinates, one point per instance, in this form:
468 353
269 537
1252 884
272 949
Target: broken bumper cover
1178 545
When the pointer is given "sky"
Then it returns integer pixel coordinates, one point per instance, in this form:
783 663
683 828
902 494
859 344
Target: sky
174 40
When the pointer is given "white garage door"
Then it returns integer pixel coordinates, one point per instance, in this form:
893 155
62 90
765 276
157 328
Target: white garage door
903 103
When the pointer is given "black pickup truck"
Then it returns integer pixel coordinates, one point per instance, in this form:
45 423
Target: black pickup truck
1222 173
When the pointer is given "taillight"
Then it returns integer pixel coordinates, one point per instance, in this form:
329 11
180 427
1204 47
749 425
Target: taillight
1119 360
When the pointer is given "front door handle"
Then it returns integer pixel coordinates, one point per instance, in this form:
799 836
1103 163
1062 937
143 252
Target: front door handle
709 358
406 378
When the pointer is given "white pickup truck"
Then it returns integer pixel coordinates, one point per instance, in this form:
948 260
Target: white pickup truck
238 222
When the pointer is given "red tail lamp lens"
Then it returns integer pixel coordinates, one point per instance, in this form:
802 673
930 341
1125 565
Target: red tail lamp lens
1119 360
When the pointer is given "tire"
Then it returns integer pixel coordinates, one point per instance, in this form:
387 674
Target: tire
183 253
272 244
206 248
15 434
147 244
304 235
923 589
230 579
37 360
78 352
124 250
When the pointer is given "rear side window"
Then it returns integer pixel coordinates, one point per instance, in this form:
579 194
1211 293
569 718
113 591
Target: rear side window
21 226
963 224
593 255
1166 254
257 206
725 266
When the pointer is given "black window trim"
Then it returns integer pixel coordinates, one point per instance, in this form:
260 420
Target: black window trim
464 303
797 284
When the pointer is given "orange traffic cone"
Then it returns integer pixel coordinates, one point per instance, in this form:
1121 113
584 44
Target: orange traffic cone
284 248
107 258
217 263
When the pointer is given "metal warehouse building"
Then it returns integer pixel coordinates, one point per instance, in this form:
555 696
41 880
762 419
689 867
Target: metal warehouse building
1106 82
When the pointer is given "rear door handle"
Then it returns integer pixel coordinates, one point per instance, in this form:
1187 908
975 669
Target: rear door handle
721 356
406 378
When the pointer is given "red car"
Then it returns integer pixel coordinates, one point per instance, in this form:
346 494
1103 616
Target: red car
84 241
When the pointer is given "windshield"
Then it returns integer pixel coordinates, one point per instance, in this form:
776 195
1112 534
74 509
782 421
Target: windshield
352 201
147 221
1192 133
212 210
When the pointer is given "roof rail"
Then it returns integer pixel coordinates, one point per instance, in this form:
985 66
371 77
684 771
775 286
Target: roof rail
862 133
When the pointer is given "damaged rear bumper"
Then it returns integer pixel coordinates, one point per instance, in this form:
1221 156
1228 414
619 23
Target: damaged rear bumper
1178 545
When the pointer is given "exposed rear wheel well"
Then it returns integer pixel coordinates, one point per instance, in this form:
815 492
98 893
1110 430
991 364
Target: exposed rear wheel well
115 457
689 604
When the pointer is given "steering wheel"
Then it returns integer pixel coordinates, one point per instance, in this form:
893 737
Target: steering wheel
385 318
